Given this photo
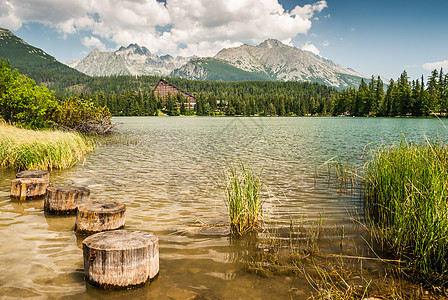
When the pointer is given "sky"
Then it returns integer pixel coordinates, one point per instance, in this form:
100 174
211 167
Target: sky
382 37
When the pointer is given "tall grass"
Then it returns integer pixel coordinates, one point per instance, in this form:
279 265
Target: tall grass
407 203
30 149
242 197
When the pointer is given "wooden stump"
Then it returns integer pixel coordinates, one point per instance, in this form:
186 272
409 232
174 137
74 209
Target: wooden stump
100 215
34 174
28 188
120 258
65 199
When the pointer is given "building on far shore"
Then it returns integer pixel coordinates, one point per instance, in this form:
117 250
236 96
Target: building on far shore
164 88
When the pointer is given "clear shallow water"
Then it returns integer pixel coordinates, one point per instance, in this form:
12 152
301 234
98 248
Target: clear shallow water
167 171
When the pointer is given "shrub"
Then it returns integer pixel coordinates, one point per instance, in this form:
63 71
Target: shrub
22 101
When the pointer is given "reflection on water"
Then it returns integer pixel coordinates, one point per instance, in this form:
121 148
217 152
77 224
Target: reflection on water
168 171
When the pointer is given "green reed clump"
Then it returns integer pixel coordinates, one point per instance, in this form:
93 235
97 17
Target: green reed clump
47 149
407 203
242 197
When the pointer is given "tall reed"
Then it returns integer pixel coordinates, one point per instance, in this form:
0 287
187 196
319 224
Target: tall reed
242 197
46 149
407 202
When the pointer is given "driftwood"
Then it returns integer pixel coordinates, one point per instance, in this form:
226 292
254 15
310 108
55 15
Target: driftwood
28 188
90 127
34 174
121 258
65 199
100 215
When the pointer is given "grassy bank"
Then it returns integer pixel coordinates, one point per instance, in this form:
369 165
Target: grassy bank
407 193
30 149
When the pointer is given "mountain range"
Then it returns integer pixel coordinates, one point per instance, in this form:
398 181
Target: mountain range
269 61
131 60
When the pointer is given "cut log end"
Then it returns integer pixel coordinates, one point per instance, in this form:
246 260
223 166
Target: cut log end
120 259
28 188
63 200
100 215
34 174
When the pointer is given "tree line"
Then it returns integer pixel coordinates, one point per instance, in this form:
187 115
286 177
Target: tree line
134 96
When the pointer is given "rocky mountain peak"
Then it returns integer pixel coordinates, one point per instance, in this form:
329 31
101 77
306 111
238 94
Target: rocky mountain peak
95 52
5 32
134 49
271 43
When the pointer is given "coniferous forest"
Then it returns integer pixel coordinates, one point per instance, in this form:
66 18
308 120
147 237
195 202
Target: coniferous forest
133 96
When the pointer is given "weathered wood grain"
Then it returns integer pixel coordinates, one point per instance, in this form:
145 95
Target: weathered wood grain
63 200
34 174
120 258
28 188
100 215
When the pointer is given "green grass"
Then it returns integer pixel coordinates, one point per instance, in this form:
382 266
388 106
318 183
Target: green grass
407 204
242 198
47 149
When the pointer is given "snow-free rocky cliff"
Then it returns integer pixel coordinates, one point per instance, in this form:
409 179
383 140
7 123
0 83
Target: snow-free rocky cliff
276 61
270 60
132 60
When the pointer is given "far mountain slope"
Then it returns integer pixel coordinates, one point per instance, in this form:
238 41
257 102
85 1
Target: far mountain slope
131 60
32 61
273 60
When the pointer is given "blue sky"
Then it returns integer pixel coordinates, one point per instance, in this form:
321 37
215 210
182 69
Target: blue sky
372 37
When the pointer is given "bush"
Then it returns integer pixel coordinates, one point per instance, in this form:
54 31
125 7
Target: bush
82 115
23 102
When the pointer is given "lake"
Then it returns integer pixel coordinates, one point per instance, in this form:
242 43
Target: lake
168 172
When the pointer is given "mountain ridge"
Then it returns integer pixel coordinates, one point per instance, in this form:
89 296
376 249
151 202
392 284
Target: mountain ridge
32 61
130 60
279 62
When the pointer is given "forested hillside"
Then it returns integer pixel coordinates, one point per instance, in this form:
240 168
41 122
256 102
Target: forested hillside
131 96
34 62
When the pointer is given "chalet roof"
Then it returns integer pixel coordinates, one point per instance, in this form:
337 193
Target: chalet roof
172 85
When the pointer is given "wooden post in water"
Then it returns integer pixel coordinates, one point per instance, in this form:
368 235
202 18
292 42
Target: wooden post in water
120 258
100 215
34 174
28 188
65 199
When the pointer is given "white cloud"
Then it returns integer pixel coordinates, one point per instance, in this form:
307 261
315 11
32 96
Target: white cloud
203 26
308 10
325 43
93 42
310 47
436 65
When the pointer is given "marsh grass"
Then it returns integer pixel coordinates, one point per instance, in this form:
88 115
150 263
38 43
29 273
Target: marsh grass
40 149
406 187
242 197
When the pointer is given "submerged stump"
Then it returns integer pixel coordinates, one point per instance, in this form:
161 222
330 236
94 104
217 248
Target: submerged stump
34 174
121 258
100 215
63 200
28 188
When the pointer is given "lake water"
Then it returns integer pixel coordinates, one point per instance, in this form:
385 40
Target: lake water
168 170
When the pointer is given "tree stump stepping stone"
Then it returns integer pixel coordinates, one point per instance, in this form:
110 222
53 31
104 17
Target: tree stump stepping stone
28 188
63 200
34 174
100 215
120 259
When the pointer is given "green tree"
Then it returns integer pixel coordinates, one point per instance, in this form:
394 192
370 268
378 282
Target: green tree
22 101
